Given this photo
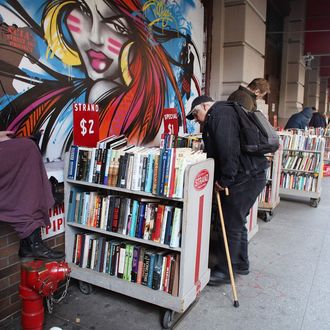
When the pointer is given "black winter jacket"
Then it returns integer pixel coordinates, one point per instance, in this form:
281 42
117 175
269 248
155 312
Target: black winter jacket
221 135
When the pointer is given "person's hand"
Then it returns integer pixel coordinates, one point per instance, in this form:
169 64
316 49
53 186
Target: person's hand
6 135
217 187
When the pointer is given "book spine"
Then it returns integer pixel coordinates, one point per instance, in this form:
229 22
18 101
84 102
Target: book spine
149 173
176 228
116 212
121 260
158 224
155 174
157 272
140 266
135 263
151 269
141 222
72 162
110 214
123 175
134 218
107 166
145 270
103 165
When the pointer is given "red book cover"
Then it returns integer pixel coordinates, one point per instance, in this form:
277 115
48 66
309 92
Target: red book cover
167 272
78 249
140 266
116 212
155 236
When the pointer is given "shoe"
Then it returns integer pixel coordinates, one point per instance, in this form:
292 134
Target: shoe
241 271
33 247
218 278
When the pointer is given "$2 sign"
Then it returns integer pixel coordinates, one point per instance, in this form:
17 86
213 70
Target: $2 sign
85 124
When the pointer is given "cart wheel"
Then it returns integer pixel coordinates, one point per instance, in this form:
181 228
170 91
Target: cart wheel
168 319
264 216
85 287
314 202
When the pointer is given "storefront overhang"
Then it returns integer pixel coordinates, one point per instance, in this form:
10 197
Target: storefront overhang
317 34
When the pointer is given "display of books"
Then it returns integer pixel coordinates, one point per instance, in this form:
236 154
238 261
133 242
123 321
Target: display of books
138 220
302 164
158 171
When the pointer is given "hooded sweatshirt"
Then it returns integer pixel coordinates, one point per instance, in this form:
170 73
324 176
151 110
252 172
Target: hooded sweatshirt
300 119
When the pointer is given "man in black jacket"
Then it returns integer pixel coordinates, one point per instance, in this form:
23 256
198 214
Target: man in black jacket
242 174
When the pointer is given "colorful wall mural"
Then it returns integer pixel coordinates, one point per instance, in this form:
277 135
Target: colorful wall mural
133 58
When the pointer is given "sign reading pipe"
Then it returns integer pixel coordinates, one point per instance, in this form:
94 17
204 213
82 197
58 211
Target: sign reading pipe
201 180
57 222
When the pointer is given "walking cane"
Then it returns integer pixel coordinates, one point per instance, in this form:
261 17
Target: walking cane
230 268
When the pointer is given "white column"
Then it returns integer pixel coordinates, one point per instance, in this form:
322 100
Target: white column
244 43
312 84
323 102
293 65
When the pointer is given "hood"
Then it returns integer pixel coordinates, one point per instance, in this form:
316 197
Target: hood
308 112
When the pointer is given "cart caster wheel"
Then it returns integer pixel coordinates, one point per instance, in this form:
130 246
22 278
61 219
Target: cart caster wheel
85 288
314 202
168 319
264 216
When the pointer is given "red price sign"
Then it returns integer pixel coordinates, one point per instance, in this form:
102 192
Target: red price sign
85 124
171 124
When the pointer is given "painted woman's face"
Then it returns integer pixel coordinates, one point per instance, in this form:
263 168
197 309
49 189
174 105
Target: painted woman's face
100 34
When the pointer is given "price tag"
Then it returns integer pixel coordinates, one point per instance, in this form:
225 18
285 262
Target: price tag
85 124
171 124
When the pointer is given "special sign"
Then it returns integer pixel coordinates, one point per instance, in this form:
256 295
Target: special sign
85 124
171 124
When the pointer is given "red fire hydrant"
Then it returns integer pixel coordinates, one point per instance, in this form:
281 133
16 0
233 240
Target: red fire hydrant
39 279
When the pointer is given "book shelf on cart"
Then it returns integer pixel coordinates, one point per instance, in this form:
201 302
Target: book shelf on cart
194 273
305 182
270 196
327 147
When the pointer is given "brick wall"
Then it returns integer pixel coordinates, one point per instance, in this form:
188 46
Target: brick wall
10 270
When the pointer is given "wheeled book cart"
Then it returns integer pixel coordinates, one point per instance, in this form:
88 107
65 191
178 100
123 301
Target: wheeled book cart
297 189
194 273
270 198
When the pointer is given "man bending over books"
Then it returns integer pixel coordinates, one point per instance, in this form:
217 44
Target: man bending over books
243 175
25 194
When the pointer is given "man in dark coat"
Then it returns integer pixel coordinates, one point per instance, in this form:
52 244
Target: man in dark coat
317 119
300 120
25 194
248 96
243 175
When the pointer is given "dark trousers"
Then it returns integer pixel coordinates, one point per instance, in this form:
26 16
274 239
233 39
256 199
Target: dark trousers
235 208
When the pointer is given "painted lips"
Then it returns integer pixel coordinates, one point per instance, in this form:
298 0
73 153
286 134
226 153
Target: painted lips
99 61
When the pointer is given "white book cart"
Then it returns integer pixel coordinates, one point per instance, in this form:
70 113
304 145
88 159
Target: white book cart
292 187
194 250
270 196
